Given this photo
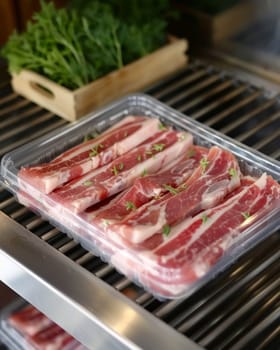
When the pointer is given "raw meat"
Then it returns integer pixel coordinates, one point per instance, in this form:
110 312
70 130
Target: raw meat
29 320
194 246
52 338
89 155
149 157
146 188
216 176
41 332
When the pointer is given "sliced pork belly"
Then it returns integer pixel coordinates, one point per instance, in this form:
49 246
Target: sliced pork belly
193 246
89 155
52 338
149 157
29 320
146 188
216 176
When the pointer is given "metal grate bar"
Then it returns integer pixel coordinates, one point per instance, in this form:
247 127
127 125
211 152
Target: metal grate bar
180 82
32 136
20 117
14 107
193 89
253 113
259 126
210 107
218 117
16 130
205 96
273 136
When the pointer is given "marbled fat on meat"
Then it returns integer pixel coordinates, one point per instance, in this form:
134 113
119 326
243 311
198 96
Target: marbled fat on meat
146 188
75 162
213 179
29 320
95 186
195 245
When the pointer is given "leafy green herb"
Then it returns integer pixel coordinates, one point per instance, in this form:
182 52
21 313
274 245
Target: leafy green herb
144 173
204 163
232 172
166 230
121 166
91 136
246 215
88 183
105 222
158 147
115 170
130 205
171 189
162 126
204 218
78 44
182 187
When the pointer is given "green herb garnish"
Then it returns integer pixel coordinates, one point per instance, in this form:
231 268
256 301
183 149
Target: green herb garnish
91 136
158 146
204 218
171 189
115 170
166 230
121 166
144 173
162 126
105 222
204 163
88 183
130 205
246 215
232 172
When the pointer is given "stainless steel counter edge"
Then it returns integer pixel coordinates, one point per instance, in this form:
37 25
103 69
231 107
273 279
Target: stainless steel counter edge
85 306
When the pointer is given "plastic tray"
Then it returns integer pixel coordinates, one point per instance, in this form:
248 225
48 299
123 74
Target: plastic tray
46 148
11 337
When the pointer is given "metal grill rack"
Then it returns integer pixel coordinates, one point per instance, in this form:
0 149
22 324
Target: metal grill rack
240 309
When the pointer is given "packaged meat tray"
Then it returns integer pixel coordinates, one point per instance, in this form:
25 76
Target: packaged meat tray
23 327
168 201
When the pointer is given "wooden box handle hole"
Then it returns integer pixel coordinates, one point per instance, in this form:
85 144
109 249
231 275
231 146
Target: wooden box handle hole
41 89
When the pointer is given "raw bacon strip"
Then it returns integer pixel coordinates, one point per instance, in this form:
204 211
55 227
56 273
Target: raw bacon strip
102 183
51 338
229 217
216 176
29 320
146 188
194 245
89 155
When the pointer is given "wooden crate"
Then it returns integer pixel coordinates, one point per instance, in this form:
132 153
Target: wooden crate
133 77
201 27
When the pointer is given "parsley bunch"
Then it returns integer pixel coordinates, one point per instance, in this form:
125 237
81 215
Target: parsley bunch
83 42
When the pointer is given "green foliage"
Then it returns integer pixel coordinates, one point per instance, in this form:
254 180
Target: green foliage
75 45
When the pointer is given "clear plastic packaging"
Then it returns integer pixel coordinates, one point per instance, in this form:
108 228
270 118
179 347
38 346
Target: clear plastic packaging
13 338
43 150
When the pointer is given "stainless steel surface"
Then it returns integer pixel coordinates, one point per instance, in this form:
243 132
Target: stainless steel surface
88 308
240 309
